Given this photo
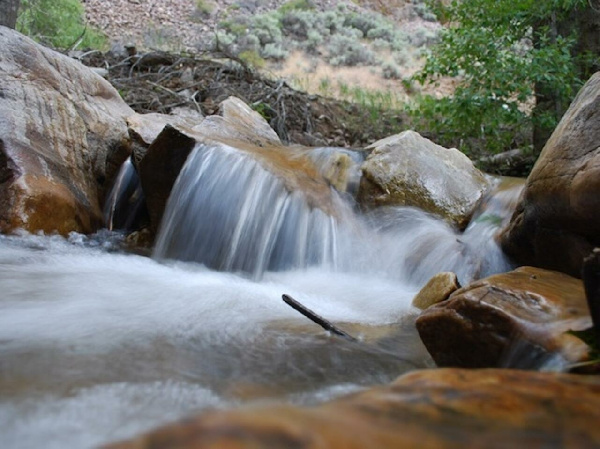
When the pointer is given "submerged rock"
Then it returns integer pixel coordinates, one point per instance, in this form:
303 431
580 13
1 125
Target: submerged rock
437 289
557 221
409 170
62 139
445 408
516 319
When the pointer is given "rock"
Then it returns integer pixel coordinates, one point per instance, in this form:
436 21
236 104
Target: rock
238 122
512 319
145 128
444 408
409 170
437 289
160 167
167 154
557 220
62 139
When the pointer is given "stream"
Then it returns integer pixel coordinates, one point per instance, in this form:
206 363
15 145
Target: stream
98 344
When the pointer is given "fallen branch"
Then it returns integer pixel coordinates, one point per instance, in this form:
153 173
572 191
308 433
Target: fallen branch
328 326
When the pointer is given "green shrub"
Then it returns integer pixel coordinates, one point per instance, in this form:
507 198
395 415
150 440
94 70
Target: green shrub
274 51
345 50
296 5
58 23
389 70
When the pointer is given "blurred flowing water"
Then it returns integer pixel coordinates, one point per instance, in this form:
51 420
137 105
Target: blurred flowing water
97 344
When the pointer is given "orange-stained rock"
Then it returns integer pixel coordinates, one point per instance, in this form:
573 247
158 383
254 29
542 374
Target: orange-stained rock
437 289
509 319
62 138
242 129
557 221
445 408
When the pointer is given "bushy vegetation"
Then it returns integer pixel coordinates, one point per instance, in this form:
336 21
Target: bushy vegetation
340 36
59 24
500 51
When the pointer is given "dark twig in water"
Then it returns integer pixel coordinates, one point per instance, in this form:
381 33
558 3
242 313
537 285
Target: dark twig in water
328 326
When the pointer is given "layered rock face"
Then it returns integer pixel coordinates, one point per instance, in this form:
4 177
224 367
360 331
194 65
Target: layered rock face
514 319
557 221
62 138
409 170
445 408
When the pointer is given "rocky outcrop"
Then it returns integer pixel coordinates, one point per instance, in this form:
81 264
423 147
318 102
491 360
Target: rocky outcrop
242 129
238 122
515 319
557 220
145 128
445 408
62 138
437 289
409 170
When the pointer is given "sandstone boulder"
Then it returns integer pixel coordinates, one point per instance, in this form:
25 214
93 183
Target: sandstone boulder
513 319
145 128
445 408
409 170
62 138
557 221
437 289
238 122
166 156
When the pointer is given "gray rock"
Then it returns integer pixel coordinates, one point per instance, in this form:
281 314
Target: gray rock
62 138
409 170
557 221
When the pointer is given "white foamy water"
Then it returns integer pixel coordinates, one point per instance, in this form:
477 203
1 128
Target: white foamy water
97 345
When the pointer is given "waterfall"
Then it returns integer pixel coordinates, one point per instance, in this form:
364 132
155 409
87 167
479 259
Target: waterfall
125 203
229 213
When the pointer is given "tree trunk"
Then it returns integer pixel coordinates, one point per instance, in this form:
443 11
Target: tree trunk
585 23
8 12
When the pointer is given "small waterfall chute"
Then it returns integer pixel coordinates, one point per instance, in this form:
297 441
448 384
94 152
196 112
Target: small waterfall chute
125 204
230 213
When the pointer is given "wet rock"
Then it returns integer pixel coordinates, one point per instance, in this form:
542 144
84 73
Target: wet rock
445 408
239 128
437 289
160 167
517 319
62 139
145 128
409 170
557 220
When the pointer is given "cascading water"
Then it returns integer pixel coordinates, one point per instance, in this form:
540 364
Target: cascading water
229 213
98 345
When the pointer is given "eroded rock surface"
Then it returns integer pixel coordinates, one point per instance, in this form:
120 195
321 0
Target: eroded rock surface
445 408
409 170
437 289
514 319
557 221
62 138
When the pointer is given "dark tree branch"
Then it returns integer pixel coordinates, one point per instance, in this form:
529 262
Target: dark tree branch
316 318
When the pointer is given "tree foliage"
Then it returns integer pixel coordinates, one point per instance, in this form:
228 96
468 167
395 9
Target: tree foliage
58 23
499 51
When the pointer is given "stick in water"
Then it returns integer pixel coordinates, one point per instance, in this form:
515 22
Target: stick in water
316 318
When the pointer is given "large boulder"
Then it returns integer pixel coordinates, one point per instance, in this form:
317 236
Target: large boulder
445 408
408 170
557 221
62 138
240 128
517 319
